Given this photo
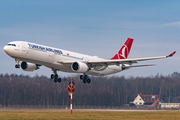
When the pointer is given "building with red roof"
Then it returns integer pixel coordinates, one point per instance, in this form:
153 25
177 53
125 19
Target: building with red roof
146 100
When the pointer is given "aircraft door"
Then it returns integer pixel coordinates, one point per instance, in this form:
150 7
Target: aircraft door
23 46
50 56
24 49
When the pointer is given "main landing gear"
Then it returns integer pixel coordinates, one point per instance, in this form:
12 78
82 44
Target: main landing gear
17 63
55 76
85 78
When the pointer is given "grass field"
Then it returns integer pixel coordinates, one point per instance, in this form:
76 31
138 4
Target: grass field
89 115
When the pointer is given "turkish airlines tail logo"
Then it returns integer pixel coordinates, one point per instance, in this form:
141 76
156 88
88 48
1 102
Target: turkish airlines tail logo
125 50
123 53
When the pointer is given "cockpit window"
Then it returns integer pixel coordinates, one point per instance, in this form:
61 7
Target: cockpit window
12 45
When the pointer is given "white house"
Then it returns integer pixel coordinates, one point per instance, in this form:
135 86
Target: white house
149 100
138 100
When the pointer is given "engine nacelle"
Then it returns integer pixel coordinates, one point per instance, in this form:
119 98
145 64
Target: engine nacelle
28 66
79 67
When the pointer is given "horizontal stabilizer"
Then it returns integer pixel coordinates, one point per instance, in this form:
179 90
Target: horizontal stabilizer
141 65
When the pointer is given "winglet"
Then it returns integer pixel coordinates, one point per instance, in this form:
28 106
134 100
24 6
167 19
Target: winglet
170 55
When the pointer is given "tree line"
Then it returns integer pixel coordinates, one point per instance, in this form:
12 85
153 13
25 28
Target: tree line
102 91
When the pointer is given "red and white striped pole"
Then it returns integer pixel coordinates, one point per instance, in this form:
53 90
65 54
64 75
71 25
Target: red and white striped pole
71 88
71 101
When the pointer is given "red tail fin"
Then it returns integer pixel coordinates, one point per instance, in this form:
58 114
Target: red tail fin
125 50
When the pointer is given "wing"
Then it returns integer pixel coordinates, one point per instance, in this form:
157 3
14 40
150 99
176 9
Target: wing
117 61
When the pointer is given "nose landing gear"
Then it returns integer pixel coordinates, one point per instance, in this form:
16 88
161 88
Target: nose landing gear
17 65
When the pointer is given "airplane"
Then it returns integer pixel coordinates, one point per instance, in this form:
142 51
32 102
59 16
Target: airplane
32 56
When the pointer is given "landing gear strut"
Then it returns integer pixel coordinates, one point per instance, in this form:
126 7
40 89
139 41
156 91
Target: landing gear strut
55 76
85 79
17 65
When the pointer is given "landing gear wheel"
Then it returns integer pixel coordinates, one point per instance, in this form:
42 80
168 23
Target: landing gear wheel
88 80
84 81
81 77
85 77
59 80
52 76
17 66
56 76
55 80
17 63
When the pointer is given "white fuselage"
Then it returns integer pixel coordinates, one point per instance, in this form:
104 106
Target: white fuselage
51 57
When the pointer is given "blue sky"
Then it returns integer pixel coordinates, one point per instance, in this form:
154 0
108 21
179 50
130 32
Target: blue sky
95 27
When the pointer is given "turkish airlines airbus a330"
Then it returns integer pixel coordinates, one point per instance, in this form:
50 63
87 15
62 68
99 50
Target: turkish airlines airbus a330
34 55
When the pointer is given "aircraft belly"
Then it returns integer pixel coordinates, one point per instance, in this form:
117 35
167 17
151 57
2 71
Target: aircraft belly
109 70
63 68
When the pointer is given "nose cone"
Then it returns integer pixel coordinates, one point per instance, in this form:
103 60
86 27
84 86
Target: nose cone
7 50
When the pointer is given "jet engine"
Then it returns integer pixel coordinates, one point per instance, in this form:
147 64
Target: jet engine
79 67
28 66
124 67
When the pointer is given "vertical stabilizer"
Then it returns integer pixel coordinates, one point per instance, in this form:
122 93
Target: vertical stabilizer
125 50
